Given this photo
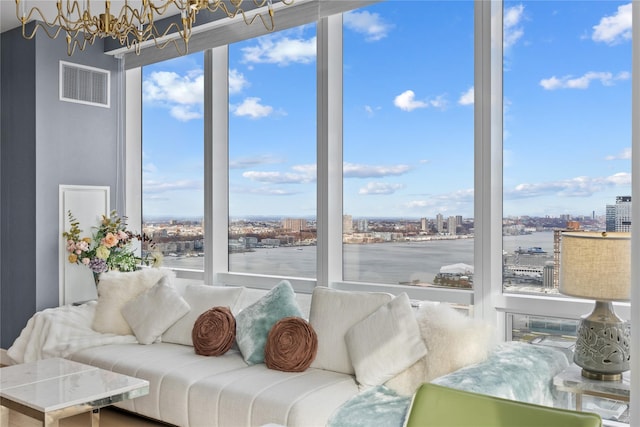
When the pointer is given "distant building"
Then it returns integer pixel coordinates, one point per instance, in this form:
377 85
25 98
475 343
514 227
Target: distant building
573 225
618 216
294 224
270 242
424 224
440 223
548 276
452 225
347 224
249 242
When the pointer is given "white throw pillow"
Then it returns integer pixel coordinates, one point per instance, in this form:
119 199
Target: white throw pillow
385 343
453 341
115 289
200 298
333 312
153 311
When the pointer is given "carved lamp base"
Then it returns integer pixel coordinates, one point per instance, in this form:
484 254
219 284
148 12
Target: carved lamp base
602 345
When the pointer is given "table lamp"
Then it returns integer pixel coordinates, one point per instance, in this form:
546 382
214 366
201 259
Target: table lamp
597 265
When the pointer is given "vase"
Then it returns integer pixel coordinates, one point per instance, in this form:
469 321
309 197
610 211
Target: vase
96 278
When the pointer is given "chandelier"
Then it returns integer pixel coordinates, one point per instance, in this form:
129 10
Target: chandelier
132 24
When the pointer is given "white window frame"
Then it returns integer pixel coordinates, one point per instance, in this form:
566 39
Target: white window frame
487 297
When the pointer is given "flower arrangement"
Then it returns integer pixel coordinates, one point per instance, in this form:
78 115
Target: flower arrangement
110 248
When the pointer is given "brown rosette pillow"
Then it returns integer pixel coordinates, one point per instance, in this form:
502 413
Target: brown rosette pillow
214 332
291 345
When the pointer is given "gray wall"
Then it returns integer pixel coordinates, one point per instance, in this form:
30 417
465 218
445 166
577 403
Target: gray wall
45 142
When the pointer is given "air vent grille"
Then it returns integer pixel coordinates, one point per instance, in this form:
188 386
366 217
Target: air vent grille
85 85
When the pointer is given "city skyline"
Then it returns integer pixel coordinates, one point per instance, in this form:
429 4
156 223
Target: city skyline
566 124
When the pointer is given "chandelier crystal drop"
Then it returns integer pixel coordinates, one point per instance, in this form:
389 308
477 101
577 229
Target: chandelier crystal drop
135 22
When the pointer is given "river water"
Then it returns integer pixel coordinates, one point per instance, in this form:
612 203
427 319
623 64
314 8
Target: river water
377 262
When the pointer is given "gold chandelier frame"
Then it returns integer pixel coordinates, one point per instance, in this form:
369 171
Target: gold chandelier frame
132 26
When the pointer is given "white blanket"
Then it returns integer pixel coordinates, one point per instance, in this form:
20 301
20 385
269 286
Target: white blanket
59 332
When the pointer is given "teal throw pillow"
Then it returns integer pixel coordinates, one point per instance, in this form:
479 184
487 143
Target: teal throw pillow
254 322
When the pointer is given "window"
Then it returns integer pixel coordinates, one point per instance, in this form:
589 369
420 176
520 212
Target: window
408 144
567 131
272 154
409 132
172 157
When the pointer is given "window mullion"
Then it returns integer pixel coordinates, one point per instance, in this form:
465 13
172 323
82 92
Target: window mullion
635 191
329 150
488 162
216 155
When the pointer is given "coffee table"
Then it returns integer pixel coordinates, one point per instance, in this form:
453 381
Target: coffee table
51 389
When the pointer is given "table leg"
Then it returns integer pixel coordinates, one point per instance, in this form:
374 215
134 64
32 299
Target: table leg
50 421
4 416
95 418
578 401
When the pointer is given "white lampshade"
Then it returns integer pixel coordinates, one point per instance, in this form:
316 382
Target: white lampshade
596 265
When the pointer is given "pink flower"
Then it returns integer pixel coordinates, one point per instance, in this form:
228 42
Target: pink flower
82 245
70 246
122 235
78 251
110 240
86 261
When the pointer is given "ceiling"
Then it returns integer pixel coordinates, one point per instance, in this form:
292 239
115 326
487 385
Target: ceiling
8 19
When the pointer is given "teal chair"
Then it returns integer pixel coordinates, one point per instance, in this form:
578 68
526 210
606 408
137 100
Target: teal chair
438 406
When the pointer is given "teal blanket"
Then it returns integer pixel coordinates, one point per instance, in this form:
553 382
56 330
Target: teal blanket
377 406
514 370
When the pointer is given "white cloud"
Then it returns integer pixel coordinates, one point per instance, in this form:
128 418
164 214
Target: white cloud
182 95
278 177
368 24
614 29
281 51
512 31
406 101
467 98
623 155
371 111
184 113
265 191
237 82
581 186
153 187
453 201
582 82
377 188
438 102
246 162
252 108
306 173
149 168
309 170
352 170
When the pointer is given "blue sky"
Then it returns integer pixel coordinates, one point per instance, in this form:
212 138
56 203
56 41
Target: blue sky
408 115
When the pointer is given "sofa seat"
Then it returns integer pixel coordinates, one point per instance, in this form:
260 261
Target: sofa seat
187 389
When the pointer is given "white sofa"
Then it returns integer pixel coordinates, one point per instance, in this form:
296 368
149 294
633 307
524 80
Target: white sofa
191 390
188 389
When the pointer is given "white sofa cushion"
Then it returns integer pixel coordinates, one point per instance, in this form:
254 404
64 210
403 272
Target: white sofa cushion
257 396
333 313
171 370
385 343
115 289
200 298
153 311
189 390
453 341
